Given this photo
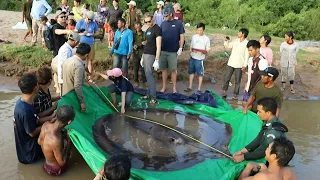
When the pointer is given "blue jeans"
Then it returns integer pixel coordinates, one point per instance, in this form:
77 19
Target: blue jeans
120 60
114 89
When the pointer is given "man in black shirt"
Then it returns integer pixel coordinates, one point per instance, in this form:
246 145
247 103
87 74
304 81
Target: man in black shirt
151 54
114 14
60 32
26 122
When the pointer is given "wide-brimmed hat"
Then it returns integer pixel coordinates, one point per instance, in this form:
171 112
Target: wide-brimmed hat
132 3
90 15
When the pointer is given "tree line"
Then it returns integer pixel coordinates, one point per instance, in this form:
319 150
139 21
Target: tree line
274 17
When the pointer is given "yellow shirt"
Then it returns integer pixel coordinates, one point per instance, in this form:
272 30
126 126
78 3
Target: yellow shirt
77 11
239 54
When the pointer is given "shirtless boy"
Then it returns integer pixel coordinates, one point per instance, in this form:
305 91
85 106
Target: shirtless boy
278 154
51 141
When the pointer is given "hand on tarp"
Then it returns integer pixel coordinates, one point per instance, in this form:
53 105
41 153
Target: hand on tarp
83 107
244 110
238 157
156 65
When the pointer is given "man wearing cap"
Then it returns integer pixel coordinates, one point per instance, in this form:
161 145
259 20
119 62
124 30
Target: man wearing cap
74 73
272 128
59 31
114 14
132 15
265 88
172 43
120 85
39 8
65 52
87 29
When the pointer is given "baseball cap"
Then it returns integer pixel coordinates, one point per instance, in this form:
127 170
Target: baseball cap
271 72
116 72
132 3
161 3
168 11
59 12
74 36
90 15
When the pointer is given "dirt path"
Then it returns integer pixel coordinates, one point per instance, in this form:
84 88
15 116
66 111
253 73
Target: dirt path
307 78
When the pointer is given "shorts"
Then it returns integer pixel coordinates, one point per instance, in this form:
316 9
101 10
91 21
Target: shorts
168 60
29 25
92 52
196 66
53 170
114 89
246 96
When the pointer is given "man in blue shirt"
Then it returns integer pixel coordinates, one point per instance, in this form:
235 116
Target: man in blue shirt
122 47
26 123
120 85
39 8
172 42
87 29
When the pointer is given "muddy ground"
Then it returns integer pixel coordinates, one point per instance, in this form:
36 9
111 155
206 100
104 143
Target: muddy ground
307 73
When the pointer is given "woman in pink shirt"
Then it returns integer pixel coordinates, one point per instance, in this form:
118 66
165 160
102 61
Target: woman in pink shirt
265 51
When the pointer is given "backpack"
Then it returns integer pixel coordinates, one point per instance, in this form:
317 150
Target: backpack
48 38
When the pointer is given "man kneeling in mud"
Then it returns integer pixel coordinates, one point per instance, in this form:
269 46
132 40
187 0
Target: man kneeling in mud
278 154
52 143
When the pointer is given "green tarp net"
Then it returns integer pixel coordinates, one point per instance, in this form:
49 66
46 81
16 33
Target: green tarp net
244 129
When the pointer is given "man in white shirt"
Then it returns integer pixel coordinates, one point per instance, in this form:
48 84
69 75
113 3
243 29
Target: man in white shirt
238 61
200 45
256 63
39 8
65 52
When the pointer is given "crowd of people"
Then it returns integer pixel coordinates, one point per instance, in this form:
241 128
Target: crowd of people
38 124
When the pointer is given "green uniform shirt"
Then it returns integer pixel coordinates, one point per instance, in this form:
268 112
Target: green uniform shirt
138 39
266 136
260 92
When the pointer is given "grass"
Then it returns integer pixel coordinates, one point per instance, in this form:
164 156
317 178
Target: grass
26 55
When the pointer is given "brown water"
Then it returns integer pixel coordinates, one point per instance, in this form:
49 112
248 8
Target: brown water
157 148
301 117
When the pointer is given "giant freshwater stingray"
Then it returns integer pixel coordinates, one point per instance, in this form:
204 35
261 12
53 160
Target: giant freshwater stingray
154 147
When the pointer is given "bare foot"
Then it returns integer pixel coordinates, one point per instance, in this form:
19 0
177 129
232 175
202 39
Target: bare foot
174 90
163 90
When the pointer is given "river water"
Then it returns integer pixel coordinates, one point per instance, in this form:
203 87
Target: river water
301 117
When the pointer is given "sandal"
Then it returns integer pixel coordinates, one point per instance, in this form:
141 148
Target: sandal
144 97
235 97
153 101
188 90
199 91
224 95
136 84
292 91
282 89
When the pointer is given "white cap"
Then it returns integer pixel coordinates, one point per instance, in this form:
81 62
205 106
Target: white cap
161 3
132 3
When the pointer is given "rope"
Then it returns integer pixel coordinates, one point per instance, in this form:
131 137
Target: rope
163 125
